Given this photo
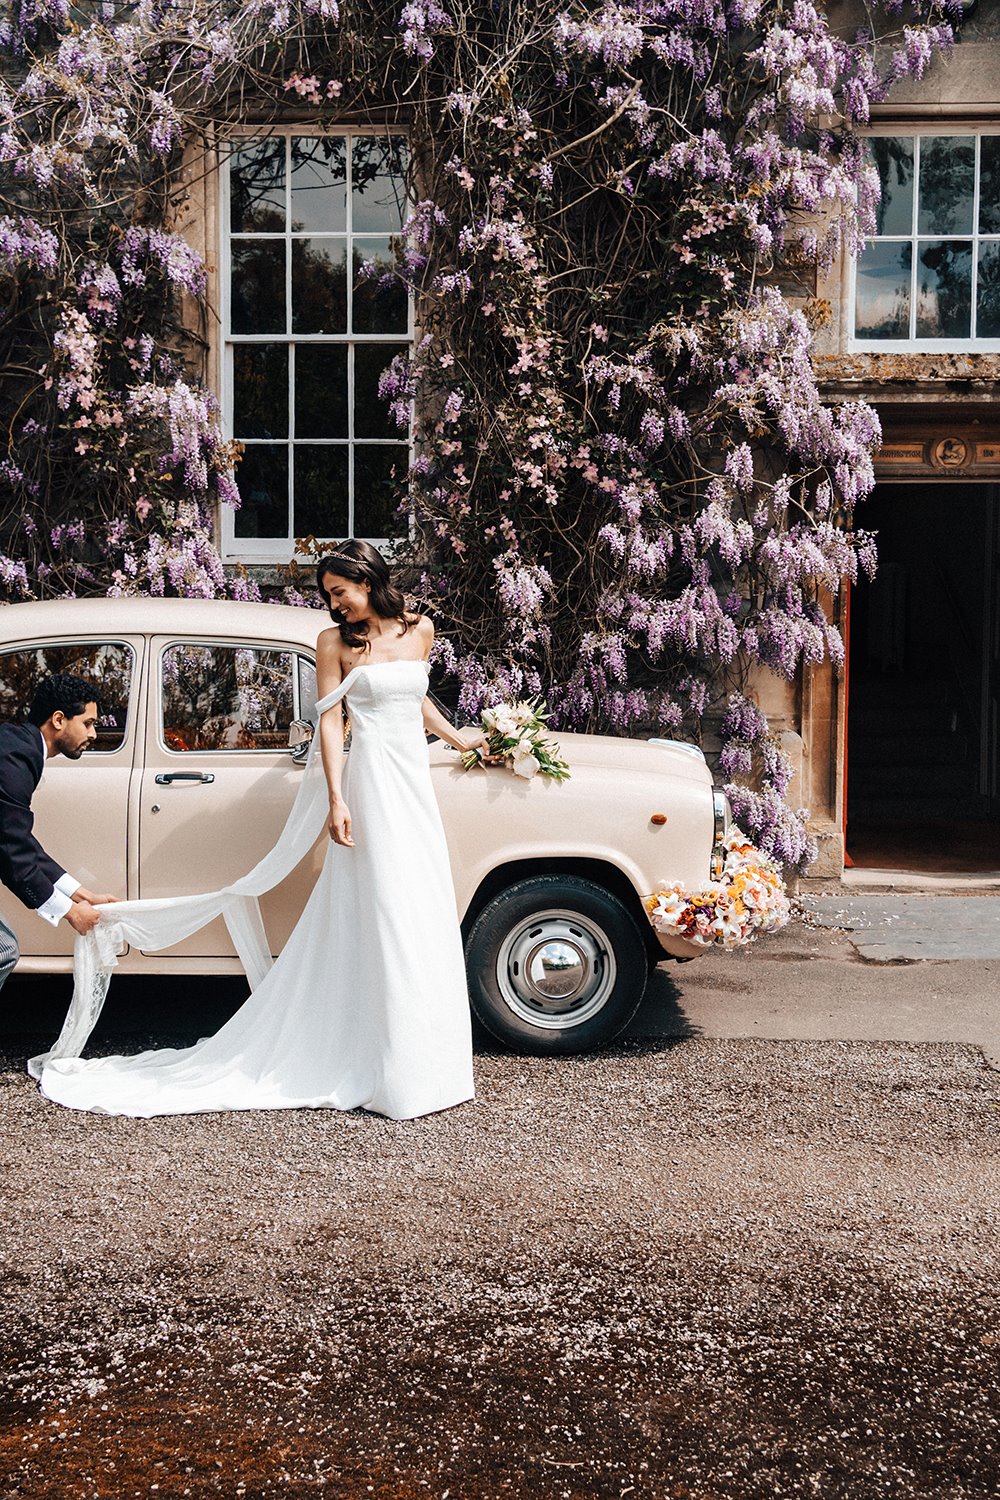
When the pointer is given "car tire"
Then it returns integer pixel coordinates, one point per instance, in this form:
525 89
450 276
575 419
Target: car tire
556 965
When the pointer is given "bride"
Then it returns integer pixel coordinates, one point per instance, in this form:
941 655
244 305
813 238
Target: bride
367 1005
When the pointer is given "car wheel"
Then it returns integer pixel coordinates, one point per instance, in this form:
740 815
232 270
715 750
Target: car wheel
556 964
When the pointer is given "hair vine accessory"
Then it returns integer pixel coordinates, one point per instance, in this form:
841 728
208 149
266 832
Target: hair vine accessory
343 557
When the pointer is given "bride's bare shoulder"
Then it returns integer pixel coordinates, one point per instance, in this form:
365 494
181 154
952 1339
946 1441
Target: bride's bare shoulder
332 657
421 626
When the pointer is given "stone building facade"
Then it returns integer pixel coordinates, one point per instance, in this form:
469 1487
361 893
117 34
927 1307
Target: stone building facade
899 754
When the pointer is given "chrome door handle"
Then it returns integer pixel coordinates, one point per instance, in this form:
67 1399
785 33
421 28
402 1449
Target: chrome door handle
166 777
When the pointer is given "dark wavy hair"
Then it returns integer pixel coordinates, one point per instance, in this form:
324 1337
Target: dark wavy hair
63 693
362 563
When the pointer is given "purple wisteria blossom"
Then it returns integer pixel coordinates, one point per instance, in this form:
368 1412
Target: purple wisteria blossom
626 492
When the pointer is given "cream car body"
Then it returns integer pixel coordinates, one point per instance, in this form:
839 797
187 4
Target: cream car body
144 816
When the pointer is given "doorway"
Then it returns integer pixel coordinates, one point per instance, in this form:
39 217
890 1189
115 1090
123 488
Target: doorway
922 731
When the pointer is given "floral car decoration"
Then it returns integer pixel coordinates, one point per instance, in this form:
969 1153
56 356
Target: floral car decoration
750 898
516 735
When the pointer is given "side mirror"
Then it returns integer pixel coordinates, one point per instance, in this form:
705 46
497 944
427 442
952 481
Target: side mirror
300 733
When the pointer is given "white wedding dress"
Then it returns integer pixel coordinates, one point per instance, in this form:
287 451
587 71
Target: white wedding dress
367 1005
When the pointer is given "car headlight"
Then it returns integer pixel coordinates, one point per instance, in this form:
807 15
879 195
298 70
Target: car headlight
723 821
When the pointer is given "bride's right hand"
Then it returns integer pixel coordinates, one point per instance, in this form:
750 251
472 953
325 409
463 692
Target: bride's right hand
340 823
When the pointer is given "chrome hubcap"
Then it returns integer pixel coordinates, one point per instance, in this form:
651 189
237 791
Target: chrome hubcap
556 969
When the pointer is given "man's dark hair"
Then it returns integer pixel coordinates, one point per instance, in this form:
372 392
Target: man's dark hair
62 692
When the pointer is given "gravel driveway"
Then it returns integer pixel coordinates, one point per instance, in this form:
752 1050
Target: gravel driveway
688 1271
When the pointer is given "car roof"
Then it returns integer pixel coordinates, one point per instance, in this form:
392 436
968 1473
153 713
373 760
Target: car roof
54 618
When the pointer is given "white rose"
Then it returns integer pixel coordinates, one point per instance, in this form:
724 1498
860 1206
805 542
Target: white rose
523 763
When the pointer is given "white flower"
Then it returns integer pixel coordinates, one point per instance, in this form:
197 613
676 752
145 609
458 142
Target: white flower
507 724
523 762
669 909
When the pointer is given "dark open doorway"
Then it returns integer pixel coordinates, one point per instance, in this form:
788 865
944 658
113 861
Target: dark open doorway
922 751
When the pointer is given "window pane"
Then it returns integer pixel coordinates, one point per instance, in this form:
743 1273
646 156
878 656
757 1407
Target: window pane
321 491
988 298
319 183
262 477
377 192
260 391
989 184
944 290
893 156
377 493
321 390
380 304
108 666
257 296
307 688
319 286
882 302
947 182
371 413
226 698
257 188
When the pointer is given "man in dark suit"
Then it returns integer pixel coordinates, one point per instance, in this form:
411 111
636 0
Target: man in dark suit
62 720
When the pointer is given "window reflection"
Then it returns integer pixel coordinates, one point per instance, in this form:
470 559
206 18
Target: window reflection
321 490
893 157
319 286
315 226
107 665
260 391
319 183
929 272
378 193
227 697
372 418
257 288
988 296
947 184
321 391
380 300
378 473
257 188
989 184
262 477
882 305
944 290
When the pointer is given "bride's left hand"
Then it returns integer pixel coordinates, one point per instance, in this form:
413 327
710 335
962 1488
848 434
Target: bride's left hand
475 739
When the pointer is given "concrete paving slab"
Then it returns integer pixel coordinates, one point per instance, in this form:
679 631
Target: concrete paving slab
811 983
906 928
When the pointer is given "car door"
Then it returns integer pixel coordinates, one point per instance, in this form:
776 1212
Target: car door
218 779
81 807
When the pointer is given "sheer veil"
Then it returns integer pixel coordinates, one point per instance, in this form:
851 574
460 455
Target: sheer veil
156 924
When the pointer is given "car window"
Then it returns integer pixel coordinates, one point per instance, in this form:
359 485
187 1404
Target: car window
218 696
307 689
109 665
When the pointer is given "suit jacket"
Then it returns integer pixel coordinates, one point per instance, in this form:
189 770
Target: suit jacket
25 868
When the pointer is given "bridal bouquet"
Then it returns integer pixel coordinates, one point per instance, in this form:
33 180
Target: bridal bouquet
748 899
516 734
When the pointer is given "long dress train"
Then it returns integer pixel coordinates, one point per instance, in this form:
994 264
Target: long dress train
367 1004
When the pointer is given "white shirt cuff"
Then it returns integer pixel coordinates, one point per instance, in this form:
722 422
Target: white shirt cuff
55 908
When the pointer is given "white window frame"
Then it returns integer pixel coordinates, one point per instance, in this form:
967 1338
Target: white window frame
262 550
914 345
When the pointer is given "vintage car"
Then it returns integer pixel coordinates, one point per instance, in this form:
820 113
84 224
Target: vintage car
204 709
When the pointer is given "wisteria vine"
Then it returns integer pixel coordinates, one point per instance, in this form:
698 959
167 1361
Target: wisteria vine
626 493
